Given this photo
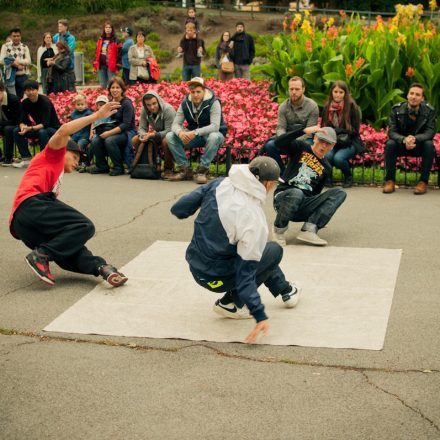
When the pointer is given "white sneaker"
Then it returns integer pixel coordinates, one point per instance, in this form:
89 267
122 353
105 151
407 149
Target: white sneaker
231 310
291 299
278 237
22 164
311 238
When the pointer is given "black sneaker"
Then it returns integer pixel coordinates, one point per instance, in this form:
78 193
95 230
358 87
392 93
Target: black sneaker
231 310
39 263
112 275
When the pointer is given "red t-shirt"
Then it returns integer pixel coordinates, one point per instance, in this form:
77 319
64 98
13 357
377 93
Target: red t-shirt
44 174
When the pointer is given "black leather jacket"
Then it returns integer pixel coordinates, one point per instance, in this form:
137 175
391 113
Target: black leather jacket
425 123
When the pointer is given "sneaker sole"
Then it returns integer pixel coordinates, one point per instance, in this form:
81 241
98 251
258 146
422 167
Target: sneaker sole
311 242
42 277
222 312
116 280
291 304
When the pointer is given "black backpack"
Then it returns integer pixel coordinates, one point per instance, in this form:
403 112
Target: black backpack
146 161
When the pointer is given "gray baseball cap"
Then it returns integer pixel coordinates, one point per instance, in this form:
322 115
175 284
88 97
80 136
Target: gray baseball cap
327 134
264 168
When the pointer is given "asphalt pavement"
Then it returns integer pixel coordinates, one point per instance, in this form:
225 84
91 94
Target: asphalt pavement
67 386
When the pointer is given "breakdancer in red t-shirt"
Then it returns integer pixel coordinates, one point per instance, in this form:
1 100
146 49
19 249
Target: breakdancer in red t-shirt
55 231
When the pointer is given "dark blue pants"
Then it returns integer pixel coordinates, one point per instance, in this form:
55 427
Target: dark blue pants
113 147
268 272
274 152
43 135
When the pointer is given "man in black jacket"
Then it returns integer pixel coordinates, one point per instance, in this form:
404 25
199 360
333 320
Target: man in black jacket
244 51
38 121
10 109
411 133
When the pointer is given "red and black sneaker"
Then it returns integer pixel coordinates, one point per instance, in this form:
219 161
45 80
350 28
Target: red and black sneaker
112 275
39 263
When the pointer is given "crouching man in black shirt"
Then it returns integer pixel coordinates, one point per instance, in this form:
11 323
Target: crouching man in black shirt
298 197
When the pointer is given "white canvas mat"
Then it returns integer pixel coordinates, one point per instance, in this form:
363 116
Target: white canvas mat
346 300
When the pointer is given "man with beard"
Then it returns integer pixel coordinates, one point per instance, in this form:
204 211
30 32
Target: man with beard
244 51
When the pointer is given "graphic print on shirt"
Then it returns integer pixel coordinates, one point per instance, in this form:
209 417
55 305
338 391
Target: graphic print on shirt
310 169
56 187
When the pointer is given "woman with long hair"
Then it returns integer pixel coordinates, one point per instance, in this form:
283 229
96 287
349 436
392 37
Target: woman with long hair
45 52
115 143
224 53
342 113
106 55
61 76
137 57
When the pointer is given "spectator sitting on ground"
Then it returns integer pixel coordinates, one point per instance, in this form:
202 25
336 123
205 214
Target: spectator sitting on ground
113 142
106 55
81 137
223 53
244 51
298 198
192 48
45 52
137 57
61 76
191 18
10 110
342 113
16 58
64 35
40 109
294 111
155 122
411 133
202 111
127 34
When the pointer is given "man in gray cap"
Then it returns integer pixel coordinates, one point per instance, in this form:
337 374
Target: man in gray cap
229 251
298 197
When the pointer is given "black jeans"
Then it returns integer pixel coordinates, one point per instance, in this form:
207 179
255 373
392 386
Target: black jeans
7 131
58 230
113 146
268 272
424 149
19 82
292 205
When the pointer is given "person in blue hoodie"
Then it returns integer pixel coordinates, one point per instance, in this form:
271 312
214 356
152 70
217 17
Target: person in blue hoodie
229 251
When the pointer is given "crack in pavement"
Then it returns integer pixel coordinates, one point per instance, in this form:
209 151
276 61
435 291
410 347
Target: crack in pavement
407 405
218 351
133 219
2 295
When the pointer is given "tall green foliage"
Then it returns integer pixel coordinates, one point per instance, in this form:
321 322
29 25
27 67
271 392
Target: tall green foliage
378 62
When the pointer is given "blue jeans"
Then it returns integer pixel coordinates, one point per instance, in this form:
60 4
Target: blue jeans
211 142
81 141
316 211
43 135
339 159
190 71
274 152
268 272
104 76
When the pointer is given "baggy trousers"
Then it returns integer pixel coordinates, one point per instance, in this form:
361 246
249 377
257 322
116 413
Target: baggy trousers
58 230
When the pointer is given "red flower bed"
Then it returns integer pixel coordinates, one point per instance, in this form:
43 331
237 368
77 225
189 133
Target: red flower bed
248 110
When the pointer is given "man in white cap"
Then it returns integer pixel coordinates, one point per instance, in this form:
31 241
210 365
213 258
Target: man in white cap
202 111
229 251
298 197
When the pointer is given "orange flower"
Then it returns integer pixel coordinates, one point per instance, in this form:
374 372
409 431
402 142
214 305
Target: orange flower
361 41
324 20
309 47
410 72
332 33
342 13
348 70
359 62
285 24
292 70
417 35
293 25
323 42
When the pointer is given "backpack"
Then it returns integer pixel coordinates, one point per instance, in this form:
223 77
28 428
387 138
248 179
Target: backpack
153 68
144 165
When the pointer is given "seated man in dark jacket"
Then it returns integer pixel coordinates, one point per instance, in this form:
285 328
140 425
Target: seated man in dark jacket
202 111
298 197
44 122
10 109
411 133
229 251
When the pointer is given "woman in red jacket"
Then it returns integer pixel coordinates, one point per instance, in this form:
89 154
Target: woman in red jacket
106 55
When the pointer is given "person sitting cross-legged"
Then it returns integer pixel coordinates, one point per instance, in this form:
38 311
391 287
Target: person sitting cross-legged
202 111
53 230
40 109
298 197
411 133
